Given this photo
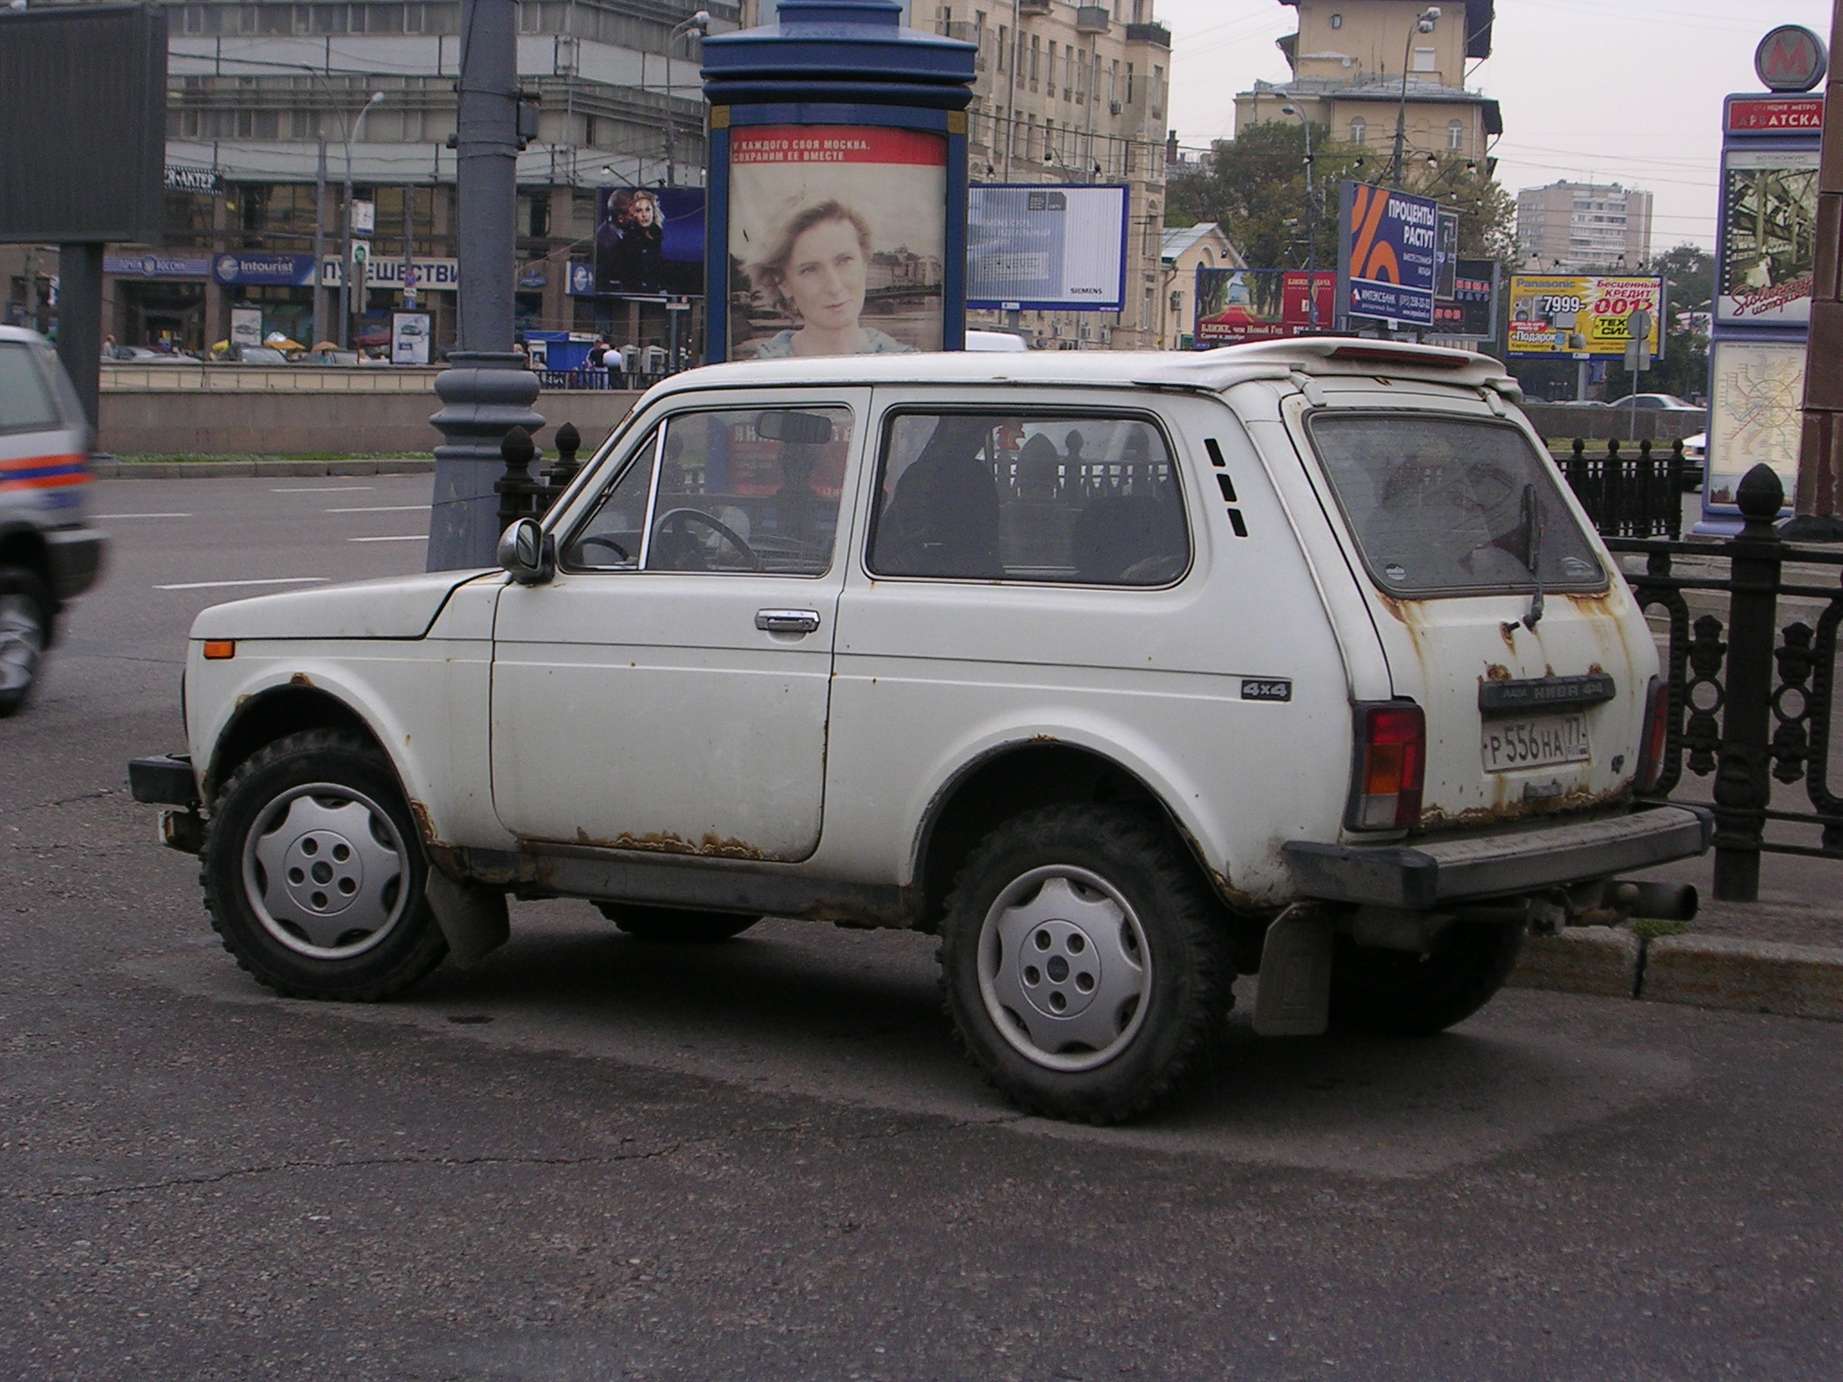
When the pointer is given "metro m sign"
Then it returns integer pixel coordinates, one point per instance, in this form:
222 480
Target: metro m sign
1791 58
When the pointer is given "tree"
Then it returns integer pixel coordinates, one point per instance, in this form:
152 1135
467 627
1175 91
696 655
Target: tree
1689 277
1255 190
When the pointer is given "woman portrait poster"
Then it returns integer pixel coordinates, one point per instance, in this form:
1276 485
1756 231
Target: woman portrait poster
838 238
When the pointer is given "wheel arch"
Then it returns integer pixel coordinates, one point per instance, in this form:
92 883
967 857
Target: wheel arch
23 545
266 716
1015 776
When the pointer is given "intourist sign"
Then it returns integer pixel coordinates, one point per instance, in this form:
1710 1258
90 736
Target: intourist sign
275 270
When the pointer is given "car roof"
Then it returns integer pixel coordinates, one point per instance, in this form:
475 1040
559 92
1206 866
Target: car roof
19 333
1206 370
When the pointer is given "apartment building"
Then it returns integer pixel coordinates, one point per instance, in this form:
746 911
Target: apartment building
1349 59
1580 226
1066 92
268 101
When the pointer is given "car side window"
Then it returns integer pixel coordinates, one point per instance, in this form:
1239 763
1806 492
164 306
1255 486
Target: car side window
1078 498
610 538
26 402
750 489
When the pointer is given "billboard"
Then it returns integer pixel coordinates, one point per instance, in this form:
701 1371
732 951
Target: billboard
1046 247
1388 247
1473 309
837 240
649 241
83 124
1768 253
1237 305
1580 314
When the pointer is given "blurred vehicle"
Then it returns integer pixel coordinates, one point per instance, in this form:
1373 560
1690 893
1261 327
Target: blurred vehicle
995 340
257 355
141 355
1695 458
1656 403
48 554
331 357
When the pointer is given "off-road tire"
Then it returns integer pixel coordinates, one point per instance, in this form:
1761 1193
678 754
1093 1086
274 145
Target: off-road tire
414 944
1398 993
672 926
28 656
1186 938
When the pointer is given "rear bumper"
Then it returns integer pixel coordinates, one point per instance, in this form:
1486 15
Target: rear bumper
1439 873
75 558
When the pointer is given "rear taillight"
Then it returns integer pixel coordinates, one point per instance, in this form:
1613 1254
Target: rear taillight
1656 736
1391 767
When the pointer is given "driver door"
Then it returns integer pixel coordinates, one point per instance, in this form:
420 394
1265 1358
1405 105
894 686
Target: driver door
668 689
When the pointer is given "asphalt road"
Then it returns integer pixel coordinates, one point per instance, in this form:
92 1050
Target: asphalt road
591 1158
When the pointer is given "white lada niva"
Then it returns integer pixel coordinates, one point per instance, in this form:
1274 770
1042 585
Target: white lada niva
1125 674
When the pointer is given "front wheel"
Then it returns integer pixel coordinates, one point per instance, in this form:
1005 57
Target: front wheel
25 622
314 873
1398 993
1084 963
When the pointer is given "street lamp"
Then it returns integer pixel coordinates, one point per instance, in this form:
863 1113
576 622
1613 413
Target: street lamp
1423 24
1311 222
345 273
700 22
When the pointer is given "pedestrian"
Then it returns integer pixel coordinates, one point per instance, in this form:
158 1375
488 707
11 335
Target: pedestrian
108 347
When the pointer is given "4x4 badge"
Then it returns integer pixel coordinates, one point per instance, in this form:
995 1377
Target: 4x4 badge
1266 690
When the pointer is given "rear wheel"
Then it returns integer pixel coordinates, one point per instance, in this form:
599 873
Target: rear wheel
314 873
671 926
25 623
1084 962
1399 993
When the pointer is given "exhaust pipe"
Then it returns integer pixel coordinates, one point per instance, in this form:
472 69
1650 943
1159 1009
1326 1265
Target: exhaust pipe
1655 901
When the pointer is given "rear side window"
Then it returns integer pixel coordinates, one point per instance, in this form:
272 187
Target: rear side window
1445 505
26 402
1084 499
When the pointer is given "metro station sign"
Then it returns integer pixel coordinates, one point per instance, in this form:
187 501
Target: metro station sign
1775 115
1790 58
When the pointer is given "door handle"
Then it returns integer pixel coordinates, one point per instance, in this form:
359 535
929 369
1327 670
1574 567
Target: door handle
787 620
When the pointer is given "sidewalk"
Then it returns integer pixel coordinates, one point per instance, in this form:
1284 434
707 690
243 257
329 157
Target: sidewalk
1782 954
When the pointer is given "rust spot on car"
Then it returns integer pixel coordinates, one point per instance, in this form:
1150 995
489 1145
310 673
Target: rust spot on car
300 679
1594 669
425 827
711 846
1504 810
1496 671
1508 632
1043 739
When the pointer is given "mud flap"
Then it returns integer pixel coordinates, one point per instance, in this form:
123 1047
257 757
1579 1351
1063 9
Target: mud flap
1294 994
473 919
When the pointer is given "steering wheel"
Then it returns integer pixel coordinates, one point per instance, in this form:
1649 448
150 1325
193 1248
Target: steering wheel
602 540
716 525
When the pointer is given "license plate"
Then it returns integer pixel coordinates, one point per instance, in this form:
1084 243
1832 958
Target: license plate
1541 741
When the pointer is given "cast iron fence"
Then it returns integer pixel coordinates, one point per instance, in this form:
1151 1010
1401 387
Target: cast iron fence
1750 703
1630 493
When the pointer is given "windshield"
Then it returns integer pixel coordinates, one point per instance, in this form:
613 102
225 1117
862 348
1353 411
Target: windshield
1446 505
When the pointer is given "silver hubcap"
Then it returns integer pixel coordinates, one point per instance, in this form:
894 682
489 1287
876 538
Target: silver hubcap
1064 968
325 871
22 640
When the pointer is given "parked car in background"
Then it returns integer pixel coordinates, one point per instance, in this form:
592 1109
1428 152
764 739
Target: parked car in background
995 340
1695 459
258 355
48 552
142 355
1656 403
1124 674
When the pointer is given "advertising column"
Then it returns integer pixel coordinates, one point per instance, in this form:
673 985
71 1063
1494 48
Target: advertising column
838 189
1765 271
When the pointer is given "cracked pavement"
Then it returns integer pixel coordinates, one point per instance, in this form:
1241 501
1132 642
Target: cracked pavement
592 1158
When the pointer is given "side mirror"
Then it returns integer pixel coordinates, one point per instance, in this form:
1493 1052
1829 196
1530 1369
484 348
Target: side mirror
527 552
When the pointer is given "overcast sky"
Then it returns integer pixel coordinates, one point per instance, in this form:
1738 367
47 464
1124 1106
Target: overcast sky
1615 90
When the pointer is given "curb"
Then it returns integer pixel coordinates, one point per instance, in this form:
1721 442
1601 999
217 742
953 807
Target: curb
209 470
1698 971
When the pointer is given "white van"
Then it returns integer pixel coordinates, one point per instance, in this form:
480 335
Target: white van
48 554
1125 674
